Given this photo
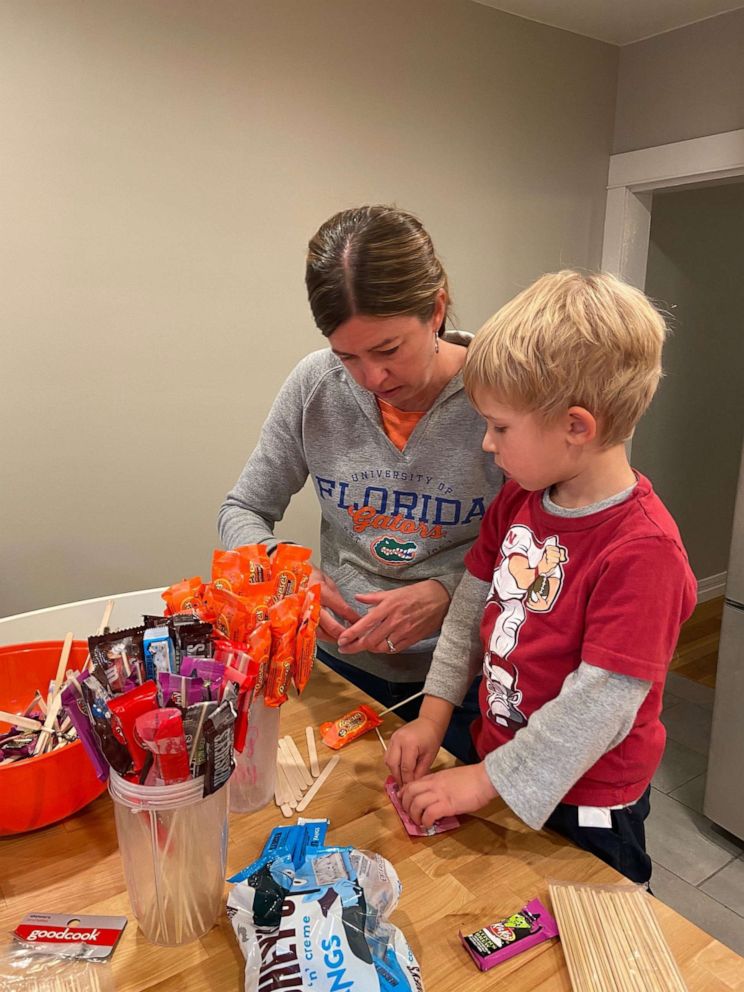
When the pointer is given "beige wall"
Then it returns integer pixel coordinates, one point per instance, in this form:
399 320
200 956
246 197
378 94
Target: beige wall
683 84
690 441
164 166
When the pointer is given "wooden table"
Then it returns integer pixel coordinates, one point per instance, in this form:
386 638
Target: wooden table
488 868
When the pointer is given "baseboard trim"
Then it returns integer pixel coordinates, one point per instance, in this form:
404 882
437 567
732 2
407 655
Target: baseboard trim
711 587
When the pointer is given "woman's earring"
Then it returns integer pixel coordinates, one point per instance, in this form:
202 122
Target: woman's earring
436 344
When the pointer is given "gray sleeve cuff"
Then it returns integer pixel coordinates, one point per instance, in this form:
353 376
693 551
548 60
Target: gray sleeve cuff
459 653
594 711
449 581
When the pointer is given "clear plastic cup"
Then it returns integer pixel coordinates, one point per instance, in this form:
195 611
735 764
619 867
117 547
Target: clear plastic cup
173 844
252 782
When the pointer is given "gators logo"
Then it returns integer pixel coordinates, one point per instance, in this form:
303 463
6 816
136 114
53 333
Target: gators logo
393 552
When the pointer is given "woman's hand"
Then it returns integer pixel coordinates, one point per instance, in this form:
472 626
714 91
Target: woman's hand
400 618
329 628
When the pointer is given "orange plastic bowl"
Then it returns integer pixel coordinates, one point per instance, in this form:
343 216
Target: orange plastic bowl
35 792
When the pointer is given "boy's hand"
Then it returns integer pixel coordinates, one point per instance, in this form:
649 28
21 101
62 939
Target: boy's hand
412 749
447 793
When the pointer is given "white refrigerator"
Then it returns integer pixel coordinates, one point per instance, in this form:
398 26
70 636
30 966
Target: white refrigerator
724 791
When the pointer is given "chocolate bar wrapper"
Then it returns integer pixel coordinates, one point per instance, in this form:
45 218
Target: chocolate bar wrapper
219 732
191 637
120 654
516 933
193 729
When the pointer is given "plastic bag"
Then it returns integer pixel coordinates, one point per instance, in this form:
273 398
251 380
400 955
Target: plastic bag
323 924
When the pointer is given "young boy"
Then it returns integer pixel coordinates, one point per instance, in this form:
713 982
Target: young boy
576 586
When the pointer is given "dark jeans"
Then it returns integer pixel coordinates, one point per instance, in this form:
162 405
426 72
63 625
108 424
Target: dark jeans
623 846
457 740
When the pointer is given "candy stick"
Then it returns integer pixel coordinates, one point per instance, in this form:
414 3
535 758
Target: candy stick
312 752
24 722
39 701
311 792
382 739
299 763
410 699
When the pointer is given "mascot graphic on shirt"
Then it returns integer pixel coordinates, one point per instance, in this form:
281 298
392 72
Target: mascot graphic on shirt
529 577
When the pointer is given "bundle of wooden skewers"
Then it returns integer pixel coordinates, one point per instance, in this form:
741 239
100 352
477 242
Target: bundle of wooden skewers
612 940
43 726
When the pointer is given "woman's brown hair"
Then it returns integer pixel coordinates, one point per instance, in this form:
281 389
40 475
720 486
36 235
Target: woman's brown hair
373 261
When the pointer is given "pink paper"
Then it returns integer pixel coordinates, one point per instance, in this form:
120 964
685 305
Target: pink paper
412 828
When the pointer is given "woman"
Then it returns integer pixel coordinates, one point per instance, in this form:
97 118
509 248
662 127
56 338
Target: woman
382 425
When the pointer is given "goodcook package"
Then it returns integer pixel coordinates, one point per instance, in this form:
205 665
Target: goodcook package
322 924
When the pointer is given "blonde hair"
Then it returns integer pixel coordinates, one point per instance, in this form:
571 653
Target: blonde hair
572 340
374 261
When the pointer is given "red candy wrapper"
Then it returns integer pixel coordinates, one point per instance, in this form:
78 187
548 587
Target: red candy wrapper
124 711
161 733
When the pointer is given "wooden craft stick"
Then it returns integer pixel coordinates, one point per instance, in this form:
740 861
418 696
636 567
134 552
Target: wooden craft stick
59 678
46 731
288 801
299 763
101 630
312 791
39 701
392 709
382 739
24 722
293 774
312 752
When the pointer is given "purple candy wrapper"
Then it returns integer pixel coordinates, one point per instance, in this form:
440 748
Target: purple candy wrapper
77 710
516 933
177 690
212 672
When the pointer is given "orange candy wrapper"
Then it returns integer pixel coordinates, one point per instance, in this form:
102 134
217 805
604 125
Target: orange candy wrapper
347 728
228 572
185 597
284 618
255 562
290 571
305 646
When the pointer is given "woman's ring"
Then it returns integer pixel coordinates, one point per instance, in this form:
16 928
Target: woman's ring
391 646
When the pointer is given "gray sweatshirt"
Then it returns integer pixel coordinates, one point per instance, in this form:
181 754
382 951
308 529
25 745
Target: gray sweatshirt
388 517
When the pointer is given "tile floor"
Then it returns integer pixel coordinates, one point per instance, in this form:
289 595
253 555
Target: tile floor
698 867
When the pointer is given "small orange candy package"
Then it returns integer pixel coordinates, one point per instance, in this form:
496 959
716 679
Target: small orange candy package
185 597
255 562
305 645
229 614
283 620
227 572
348 727
290 571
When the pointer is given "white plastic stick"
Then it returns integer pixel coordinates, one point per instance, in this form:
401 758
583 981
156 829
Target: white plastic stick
299 763
101 630
312 752
311 792
382 739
